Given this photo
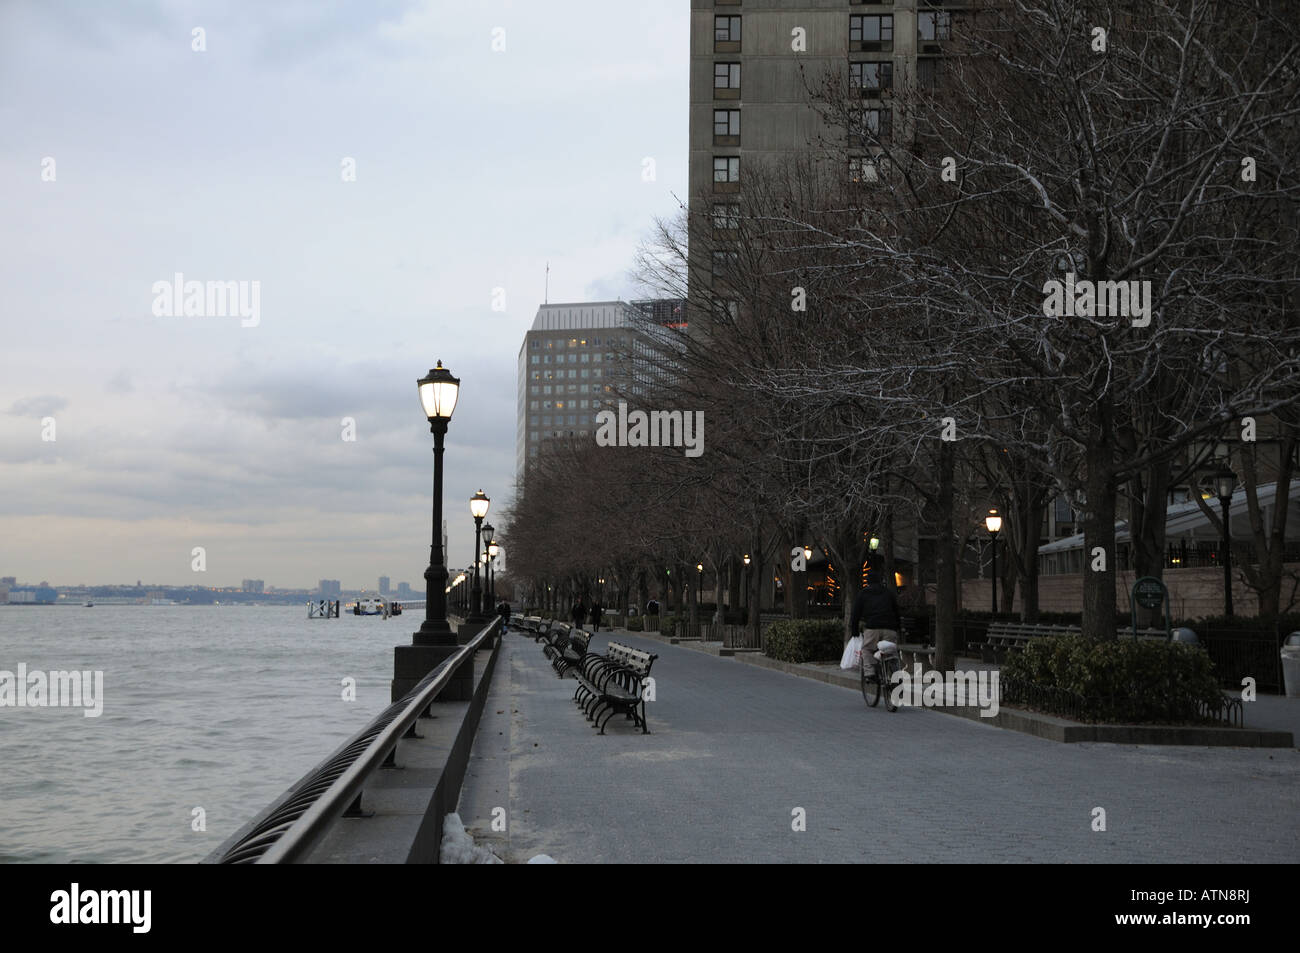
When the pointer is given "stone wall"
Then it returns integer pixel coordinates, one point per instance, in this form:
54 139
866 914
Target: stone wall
1193 593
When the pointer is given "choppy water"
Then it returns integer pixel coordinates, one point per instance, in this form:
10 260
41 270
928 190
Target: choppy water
204 706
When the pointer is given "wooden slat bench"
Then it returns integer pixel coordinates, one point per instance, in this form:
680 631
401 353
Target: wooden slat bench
613 683
1004 637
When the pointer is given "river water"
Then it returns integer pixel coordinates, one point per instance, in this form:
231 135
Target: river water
211 707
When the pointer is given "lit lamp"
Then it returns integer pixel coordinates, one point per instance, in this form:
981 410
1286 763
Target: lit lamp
438 393
993 522
493 549
1225 484
479 504
488 530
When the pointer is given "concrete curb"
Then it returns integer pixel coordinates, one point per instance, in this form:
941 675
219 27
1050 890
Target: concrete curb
1060 729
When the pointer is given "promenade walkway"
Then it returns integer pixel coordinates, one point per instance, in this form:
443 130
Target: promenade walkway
735 749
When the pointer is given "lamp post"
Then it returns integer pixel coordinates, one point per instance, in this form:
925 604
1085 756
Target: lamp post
488 530
1225 484
744 587
438 393
478 508
434 641
993 523
493 549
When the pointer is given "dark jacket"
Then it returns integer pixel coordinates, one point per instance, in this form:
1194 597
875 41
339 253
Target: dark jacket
579 614
875 608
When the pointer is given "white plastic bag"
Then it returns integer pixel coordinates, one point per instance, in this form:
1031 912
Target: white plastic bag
852 657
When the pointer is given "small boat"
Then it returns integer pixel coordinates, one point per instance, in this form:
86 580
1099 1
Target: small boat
369 606
89 605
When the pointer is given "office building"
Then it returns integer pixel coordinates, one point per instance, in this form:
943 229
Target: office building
329 589
403 590
384 585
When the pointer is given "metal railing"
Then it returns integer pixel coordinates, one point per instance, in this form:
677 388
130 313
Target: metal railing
292 829
1149 706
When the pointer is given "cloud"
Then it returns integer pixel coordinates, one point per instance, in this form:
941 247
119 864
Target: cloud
44 406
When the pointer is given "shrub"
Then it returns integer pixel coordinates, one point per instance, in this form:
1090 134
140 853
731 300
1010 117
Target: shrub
805 640
1121 681
634 624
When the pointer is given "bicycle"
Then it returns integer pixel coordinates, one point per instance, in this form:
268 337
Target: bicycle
875 674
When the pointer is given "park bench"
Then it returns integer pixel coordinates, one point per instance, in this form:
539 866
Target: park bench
1005 637
556 638
542 630
612 683
573 653
914 639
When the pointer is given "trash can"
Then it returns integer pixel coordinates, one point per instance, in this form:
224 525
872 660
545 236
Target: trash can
1184 636
1291 665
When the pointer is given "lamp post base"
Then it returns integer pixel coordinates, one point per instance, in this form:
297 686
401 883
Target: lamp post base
412 662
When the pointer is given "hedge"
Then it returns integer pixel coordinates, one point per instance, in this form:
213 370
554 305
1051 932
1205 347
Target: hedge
1120 681
805 640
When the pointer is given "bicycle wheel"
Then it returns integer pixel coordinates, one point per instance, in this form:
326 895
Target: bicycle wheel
869 675
888 669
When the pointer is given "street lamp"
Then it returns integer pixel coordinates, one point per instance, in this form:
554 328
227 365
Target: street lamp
488 532
493 549
993 523
438 393
479 504
1225 484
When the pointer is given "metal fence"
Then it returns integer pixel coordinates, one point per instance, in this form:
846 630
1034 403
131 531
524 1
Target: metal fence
290 829
1142 704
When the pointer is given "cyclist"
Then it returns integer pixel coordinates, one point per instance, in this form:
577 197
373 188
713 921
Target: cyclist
876 607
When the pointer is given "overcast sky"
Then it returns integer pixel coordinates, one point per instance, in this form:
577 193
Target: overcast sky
473 169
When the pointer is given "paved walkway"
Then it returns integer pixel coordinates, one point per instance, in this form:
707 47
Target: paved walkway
735 749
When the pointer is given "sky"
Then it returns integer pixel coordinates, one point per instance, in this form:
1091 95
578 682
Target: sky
134 429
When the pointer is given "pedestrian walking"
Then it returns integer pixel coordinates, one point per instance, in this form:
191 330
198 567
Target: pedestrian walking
579 614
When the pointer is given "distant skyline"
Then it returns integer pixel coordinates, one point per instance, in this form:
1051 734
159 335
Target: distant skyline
474 168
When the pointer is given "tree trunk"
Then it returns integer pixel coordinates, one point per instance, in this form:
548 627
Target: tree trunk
945 600
1099 543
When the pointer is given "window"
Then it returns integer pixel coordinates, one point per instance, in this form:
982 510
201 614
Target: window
585 372
534 343
582 404
595 342
726 122
596 372
726 168
546 359
726 76
546 405
878 123
726 216
546 420
724 263
550 344
595 358
573 419
871 77
573 359
534 360
533 389
536 375
726 30
573 388
929 73
572 373
533 436
559 405
532 405
934 25
871 29
868 168
546 388
586 358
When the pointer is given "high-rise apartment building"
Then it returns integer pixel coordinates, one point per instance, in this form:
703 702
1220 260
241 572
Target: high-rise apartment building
385 584
329 588
253 585
753 63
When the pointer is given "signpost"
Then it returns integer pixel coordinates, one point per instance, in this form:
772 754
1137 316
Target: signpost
1149 593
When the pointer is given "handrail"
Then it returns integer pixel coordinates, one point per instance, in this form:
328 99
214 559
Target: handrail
292 830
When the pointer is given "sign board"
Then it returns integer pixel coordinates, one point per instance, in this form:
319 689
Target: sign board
1149 593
